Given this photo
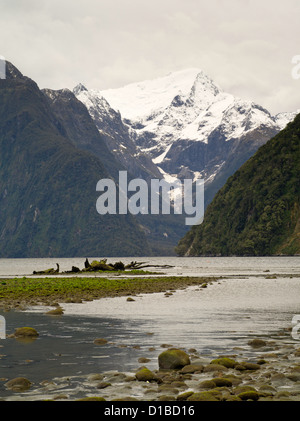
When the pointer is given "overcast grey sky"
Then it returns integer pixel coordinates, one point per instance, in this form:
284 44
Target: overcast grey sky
246 46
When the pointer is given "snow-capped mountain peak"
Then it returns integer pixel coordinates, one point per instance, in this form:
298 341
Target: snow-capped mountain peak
186 105
185 123
79 88
138 101
282 119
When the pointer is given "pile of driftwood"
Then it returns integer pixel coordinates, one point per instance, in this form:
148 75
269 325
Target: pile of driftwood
101 265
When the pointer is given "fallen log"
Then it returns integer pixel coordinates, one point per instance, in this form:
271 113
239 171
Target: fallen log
47 271
141 265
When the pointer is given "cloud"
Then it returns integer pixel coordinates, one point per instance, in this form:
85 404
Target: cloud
246 46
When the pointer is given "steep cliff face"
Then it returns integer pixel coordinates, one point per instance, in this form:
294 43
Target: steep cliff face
74 122
257 212
48 185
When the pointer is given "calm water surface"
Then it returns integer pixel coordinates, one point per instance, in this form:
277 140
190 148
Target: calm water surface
212 320
193 266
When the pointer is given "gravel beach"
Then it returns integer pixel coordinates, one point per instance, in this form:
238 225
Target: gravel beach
271 374
267 368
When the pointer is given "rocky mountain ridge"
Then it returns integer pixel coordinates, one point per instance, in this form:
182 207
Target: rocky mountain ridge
186 124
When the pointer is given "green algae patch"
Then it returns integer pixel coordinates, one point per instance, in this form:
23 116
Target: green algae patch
56 312
173 358
225 362
19 384
22 292
222 382
202 396
22 332
249 395
145 375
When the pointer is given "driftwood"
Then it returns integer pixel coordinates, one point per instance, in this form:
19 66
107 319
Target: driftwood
141 265
47 271
102 265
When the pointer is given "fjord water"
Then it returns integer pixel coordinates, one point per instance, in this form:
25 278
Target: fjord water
257 296
190 266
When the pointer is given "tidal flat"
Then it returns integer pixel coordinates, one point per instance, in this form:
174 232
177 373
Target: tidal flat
20 293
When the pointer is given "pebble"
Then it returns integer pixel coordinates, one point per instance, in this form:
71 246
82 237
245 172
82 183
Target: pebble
264 376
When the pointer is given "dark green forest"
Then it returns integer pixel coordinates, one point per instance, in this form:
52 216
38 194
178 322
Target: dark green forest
257 212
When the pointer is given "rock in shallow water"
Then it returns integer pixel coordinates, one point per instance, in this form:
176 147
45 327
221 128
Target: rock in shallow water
100 341
225 362
202 396
257 343
249 395
28 332
56 312
173 358
192 368
19 384
145 375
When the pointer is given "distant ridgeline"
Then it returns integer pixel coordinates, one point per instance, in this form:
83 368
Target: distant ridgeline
257 212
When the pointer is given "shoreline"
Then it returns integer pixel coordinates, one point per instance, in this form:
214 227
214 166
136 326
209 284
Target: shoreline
21 293
269 372
272 373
